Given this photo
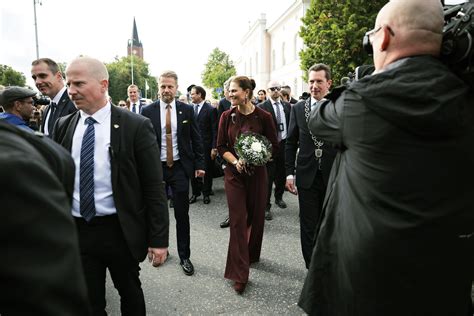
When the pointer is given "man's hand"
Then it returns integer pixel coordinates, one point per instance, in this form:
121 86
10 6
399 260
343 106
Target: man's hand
157 256
199 173
213 153
290 185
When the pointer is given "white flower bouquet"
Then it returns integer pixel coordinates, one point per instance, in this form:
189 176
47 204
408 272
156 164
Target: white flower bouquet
253 148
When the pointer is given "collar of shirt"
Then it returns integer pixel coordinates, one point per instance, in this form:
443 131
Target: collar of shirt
58 96
274 101
163 104
99 116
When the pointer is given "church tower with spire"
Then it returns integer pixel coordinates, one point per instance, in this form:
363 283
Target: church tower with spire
134 45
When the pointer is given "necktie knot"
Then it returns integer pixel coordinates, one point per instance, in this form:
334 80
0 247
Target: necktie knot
90 120
168 106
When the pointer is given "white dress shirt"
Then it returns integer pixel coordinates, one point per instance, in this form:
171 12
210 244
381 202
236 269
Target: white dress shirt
283 117
200 107
56 99
137 107
174 130
103 195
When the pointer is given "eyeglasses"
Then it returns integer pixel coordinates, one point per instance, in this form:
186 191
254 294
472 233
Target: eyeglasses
274 89
367 43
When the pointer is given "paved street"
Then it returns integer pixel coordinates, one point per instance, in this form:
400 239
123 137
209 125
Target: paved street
275 282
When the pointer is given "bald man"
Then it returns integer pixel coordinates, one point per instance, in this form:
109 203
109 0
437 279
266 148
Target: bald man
119 202
398 227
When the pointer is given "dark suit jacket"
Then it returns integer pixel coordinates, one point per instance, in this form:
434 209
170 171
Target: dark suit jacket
223 106
207 122
299 137
64 107
40 266
137 178
268 106
188 134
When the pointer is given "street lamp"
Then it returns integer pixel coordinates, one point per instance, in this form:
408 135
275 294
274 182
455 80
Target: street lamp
36 26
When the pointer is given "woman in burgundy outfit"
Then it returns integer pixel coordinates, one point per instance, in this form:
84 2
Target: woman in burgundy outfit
245 186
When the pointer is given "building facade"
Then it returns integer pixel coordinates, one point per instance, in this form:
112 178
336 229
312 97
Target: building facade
272 53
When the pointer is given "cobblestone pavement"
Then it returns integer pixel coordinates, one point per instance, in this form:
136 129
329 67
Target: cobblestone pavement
275 282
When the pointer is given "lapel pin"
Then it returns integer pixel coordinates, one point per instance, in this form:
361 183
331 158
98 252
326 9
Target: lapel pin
116 126
180 112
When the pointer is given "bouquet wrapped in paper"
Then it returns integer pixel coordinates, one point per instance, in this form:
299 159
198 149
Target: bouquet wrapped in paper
253 148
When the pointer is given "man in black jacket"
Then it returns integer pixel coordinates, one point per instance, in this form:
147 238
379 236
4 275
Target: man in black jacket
119 202
206 116
314 161
397 235
49 81
280 111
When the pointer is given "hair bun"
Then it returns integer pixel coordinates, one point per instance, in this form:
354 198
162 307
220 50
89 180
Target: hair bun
252 82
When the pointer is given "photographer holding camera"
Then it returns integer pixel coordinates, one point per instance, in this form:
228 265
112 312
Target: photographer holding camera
397 232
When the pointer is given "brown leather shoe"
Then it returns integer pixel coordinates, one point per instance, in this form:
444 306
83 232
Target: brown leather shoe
239 287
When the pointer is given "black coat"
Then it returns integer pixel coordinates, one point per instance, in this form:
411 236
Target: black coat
267 106
397 235
64 107
207 122
40 266
137 178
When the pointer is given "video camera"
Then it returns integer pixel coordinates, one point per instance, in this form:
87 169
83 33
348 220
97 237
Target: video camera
40 101
457 50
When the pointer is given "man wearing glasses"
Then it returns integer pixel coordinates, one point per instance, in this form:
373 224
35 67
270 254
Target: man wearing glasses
397 234
17 103
280 111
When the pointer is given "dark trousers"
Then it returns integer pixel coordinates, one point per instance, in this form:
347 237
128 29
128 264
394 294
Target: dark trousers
276 174
199 185
103 246
311 203
177 179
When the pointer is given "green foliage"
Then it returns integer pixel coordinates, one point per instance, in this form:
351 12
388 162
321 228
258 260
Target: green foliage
11 77
218 69
120 77
332 32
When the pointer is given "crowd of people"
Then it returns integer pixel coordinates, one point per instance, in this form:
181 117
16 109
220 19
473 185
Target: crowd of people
381 169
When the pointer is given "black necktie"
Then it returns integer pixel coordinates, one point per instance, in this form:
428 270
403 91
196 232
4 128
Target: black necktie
196 110
134 108
52 117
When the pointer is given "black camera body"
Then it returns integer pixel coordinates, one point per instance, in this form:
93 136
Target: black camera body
457 50
41 101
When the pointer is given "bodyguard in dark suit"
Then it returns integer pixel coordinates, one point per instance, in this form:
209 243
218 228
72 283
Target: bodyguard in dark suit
181 155
314 162
40 269
206 116
118 203
280 111
49 81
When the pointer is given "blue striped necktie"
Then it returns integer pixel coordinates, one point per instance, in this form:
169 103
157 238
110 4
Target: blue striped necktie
86 182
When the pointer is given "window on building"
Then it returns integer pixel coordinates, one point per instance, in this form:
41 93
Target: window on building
256 63
295 45
283 59
273 59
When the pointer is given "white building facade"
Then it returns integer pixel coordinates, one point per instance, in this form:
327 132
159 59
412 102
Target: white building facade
273 53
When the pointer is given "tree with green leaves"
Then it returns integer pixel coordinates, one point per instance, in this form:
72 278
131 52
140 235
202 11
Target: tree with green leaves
11 77
218 69
332 32
120 77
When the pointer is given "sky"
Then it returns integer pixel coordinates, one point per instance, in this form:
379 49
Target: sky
176 35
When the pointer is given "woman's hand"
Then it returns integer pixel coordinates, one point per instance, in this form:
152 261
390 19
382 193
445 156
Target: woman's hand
240 166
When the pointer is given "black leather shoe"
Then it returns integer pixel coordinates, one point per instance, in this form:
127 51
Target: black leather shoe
225 223
193 199
206 199
187 266
281 203
268 215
